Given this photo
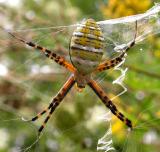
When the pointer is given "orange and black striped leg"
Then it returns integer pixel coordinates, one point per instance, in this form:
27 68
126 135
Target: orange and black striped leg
110 63
114 62
56 101
58 59
108 103
43 112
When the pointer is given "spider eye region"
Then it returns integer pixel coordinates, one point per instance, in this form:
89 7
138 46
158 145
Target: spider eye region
79 88
86 47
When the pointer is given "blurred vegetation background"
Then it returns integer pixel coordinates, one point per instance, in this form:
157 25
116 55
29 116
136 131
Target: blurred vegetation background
28 81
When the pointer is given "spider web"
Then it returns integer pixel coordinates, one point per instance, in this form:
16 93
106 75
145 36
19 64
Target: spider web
115 35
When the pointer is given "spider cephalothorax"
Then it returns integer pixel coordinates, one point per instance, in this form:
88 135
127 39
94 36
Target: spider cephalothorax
86 51
81 79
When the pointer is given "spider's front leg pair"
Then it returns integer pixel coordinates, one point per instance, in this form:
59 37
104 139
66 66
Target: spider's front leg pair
108 103
65 89
55 102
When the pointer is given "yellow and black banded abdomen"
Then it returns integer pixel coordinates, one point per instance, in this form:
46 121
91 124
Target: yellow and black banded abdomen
86 47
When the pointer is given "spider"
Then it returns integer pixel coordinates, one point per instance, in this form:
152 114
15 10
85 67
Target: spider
85 51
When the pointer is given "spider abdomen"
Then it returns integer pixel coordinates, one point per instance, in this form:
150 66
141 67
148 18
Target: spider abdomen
86 47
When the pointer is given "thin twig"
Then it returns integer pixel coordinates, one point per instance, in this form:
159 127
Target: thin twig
147 73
